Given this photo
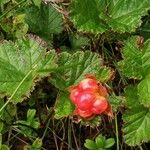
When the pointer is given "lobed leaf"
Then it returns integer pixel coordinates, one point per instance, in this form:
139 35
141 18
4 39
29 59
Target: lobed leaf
73 68
44 21
136 120
125 15
98 16
20 65
136 64
85 15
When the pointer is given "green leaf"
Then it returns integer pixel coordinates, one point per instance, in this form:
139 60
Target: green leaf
14 25
63 106
44 21
109 143
136 64
144 29
104 74
100 141
2 146
131 65
5 147
91 145
98 16
132 99
73 68
137 126
85 15
116 102
2 3
20 64
6 115
37 144
94 122
28 126
78 41
37 3
136 121
30 115
144 91
125 15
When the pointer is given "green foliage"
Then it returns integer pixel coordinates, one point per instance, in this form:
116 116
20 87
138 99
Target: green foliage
12 21
20 64
28 126
37 3
6 116
136 64
110 26
116 101
98 16
78 41
137 120
37 144
3 146
63 106
44 21
100 143
72 69
85 15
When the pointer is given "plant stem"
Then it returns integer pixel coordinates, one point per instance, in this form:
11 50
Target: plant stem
47 125
140 147
69 135
116 126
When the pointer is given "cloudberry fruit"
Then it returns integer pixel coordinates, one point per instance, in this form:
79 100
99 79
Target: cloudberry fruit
83 113
74 94
90 98
88 84
85 100
100 105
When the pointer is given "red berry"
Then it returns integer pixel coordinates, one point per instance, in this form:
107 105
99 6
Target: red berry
85 100
88 84
90 98
74 95
83 113
100 105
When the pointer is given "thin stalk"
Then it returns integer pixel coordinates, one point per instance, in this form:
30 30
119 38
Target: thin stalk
55 138
76 143
117 135
47 125
69 135
140 147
